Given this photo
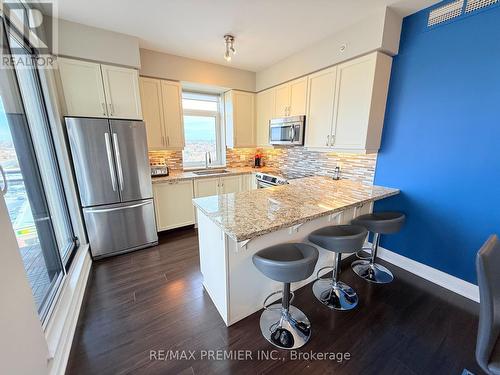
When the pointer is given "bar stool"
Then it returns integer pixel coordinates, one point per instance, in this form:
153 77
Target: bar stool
285 326
340 239
378 223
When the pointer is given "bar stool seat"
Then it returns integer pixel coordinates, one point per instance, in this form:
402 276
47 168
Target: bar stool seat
378 223
381 222
285 326
339 239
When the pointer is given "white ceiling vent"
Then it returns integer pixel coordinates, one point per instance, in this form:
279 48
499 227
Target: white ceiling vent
473 5
446 12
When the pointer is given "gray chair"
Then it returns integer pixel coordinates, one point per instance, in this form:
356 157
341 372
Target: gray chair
285 326
378 223
340 239
488 335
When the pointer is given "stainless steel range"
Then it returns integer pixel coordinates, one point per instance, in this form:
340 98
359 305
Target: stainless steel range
265 180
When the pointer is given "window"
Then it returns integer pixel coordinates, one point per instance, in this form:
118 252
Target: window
35 198
202 129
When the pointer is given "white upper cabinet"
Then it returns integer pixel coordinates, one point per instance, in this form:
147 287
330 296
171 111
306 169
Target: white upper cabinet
298 97
321 97
95 90
265 112
346 105
290 98
239 115
162 109
172 113
360 99
152 111
121 86
82 88
282 100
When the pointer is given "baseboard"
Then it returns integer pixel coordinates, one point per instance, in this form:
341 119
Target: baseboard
61 329
459 286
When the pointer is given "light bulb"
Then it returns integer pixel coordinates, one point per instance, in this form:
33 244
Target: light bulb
227 56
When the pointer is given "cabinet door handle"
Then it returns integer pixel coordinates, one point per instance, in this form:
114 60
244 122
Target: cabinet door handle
103 108
111 109
168 140
332 140
328 140
163 140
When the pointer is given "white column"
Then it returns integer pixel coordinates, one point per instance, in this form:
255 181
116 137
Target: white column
23 349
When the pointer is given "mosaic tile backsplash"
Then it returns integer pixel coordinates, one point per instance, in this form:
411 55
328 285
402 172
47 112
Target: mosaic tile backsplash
292 162
173 159
300 162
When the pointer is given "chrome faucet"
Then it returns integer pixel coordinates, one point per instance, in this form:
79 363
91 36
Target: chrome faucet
336 173
208 159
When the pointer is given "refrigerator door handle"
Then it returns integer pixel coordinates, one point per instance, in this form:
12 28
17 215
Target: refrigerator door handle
110 160
118 160
103 210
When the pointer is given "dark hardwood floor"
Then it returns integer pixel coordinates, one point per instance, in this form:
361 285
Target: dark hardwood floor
153 299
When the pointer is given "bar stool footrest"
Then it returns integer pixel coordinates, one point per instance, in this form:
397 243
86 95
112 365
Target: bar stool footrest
267 307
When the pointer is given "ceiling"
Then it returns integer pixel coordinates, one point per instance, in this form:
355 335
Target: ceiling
266 31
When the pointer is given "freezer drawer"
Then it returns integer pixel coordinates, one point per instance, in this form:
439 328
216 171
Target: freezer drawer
120 227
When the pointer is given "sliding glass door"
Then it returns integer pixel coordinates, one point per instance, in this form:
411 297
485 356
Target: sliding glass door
32 184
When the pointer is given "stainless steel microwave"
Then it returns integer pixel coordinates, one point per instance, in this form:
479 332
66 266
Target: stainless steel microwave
287 130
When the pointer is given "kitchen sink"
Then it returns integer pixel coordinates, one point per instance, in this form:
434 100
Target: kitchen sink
210 171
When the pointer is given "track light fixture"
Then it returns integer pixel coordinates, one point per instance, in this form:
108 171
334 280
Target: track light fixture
229 40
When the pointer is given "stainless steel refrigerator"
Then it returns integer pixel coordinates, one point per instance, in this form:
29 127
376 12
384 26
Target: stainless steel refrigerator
112 171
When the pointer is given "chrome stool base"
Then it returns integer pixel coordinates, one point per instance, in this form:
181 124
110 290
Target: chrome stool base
285 329
374 273
335 295
365 253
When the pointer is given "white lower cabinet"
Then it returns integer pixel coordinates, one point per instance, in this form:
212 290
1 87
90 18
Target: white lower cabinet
174 199
230 184
247 182
204 187
173 204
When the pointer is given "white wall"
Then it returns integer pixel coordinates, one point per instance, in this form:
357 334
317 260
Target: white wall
163 65
380 31
23 349
91 43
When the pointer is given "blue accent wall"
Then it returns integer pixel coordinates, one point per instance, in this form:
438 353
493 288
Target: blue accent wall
441 140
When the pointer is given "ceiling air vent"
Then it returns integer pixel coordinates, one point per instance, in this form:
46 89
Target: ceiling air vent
473 5
447 12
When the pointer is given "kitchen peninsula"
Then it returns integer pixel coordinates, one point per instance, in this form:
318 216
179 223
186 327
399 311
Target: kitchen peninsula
233 227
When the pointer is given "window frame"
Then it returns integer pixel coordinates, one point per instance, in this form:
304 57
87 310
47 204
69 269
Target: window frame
67 253
220 145
64 258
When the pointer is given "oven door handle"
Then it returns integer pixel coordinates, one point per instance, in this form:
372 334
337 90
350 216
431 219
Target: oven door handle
292 133
264 184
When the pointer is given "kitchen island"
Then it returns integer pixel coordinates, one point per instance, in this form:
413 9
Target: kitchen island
233 227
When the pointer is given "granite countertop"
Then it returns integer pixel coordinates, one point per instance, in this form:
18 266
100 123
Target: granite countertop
177 175
243 216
